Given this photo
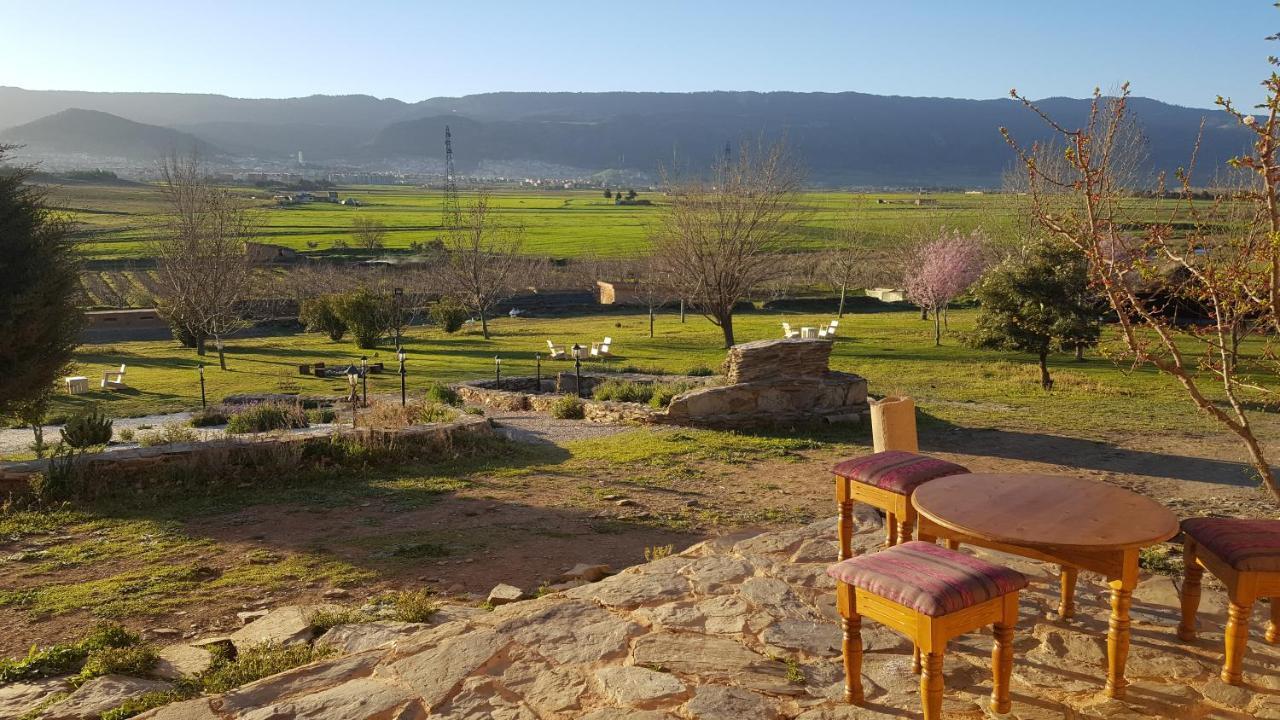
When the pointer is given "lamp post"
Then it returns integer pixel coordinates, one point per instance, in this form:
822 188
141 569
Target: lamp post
577 367
497 369
202 400
353 373
364 380
537 372
400 356
398 294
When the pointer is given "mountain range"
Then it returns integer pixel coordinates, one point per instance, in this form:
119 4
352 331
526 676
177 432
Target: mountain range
843 138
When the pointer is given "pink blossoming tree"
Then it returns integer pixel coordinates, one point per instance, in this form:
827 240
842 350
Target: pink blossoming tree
941 269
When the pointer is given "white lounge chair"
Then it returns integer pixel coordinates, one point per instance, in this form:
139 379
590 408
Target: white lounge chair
114 379
601 350
830 330
788 333
557 352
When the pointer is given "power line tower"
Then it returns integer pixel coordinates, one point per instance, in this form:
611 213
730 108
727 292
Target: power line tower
450 212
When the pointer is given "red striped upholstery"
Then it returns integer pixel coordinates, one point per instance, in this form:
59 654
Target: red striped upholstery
1242 544
896 470
928 578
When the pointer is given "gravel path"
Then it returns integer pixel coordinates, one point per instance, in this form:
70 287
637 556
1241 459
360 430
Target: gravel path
17 440
533 427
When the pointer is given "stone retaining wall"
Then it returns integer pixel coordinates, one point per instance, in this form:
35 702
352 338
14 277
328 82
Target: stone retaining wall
129 465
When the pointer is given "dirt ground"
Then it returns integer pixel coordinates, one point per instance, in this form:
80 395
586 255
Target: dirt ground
526 529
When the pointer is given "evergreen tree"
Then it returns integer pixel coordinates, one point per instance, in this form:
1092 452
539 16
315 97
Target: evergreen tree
1037 301
40 317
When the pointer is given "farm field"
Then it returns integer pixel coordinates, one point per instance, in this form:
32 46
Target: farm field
893 350
116 221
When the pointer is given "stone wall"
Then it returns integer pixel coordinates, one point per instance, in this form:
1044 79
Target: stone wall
132 464
775 382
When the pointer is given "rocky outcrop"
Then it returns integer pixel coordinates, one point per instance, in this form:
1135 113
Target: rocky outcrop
741 627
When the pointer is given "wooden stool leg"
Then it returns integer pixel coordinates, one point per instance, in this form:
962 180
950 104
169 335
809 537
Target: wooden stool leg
931 686
890 530
851 647
1067 599
1002 656
845 523
915 659
1273 629
1237 639
1190 591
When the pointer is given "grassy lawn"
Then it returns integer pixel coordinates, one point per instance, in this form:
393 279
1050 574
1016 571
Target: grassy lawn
893 350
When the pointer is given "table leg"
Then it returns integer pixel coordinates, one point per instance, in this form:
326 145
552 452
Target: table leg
1118 630
845 522
1067 598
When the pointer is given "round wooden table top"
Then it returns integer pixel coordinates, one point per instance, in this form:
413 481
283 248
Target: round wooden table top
1048 511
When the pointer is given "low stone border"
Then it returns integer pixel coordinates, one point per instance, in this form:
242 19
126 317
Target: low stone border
526 393
15 477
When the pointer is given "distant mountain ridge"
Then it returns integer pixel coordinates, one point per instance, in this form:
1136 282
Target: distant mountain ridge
90 132
841 138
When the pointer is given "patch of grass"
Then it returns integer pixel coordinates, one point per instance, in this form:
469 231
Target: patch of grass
147 701
443 394
325 620
795 674
135 660
293 570
210 416
658 552
321 416
167 435
568 407
415 606
66 658
1160 560
128 594
266 417
257 662
623 391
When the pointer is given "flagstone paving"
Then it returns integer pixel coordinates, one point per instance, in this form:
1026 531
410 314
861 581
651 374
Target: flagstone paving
745 627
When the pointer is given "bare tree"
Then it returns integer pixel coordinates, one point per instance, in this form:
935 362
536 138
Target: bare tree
1206 259
484 259
850 263
652 285
717 238
201 268
370 234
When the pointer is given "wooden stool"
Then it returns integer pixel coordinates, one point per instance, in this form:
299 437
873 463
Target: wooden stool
930 594
1245 556
885 480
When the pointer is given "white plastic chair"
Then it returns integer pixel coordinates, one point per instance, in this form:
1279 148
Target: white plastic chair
602 349
557 352
113 379
788 333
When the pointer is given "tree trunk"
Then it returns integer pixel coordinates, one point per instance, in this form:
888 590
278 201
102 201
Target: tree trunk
682 312
937 329
650 322
1079 352
945 324
484 325
924 313
200 346
1046 382
726 324
222 357
840 312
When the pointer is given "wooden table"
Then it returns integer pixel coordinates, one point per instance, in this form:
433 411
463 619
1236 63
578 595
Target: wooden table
1075 523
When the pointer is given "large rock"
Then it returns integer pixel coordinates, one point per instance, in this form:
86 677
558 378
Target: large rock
362 698
304 680
503 594
637 686
17 698
100 695
290 625
571 632
434 672
178 661
716 702
358 637
712 658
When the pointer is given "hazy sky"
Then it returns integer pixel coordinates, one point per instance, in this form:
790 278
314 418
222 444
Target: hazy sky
1181 51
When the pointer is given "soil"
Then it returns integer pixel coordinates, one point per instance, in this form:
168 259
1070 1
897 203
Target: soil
525 530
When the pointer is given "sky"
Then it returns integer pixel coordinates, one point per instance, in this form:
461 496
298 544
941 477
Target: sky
1182 51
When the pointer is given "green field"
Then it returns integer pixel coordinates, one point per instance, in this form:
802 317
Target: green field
116 221
893 350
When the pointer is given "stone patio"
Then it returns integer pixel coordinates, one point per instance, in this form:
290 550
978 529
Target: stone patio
745 627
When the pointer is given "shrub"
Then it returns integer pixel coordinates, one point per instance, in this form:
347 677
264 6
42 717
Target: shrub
623 391
265 417
392 415
167 434
65 658
321 416
259 661
700 371
209 416
87 428
365 314
568 407
415 606
658 552
443 394
320 314
663 393
126 434
323 621
449 315
135 660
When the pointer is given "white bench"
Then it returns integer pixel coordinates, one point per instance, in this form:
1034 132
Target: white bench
77 385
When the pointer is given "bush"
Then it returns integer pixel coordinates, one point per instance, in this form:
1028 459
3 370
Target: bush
443 394
365 314
391 415
320 314
126 434
568 407
209 416
167 434
259 661
87 428
265 417
449 315
663 393
414 606
700 371
321 416
135 660
623 391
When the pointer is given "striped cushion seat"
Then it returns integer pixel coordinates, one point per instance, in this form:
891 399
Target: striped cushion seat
1242 544
896 470
928 578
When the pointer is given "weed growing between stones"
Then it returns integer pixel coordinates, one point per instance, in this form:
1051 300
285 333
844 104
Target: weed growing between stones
67 658
657 553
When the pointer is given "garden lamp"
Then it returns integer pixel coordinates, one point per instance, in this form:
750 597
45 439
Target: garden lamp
577 367
353 373
497 369
202 400
400 355
364 379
